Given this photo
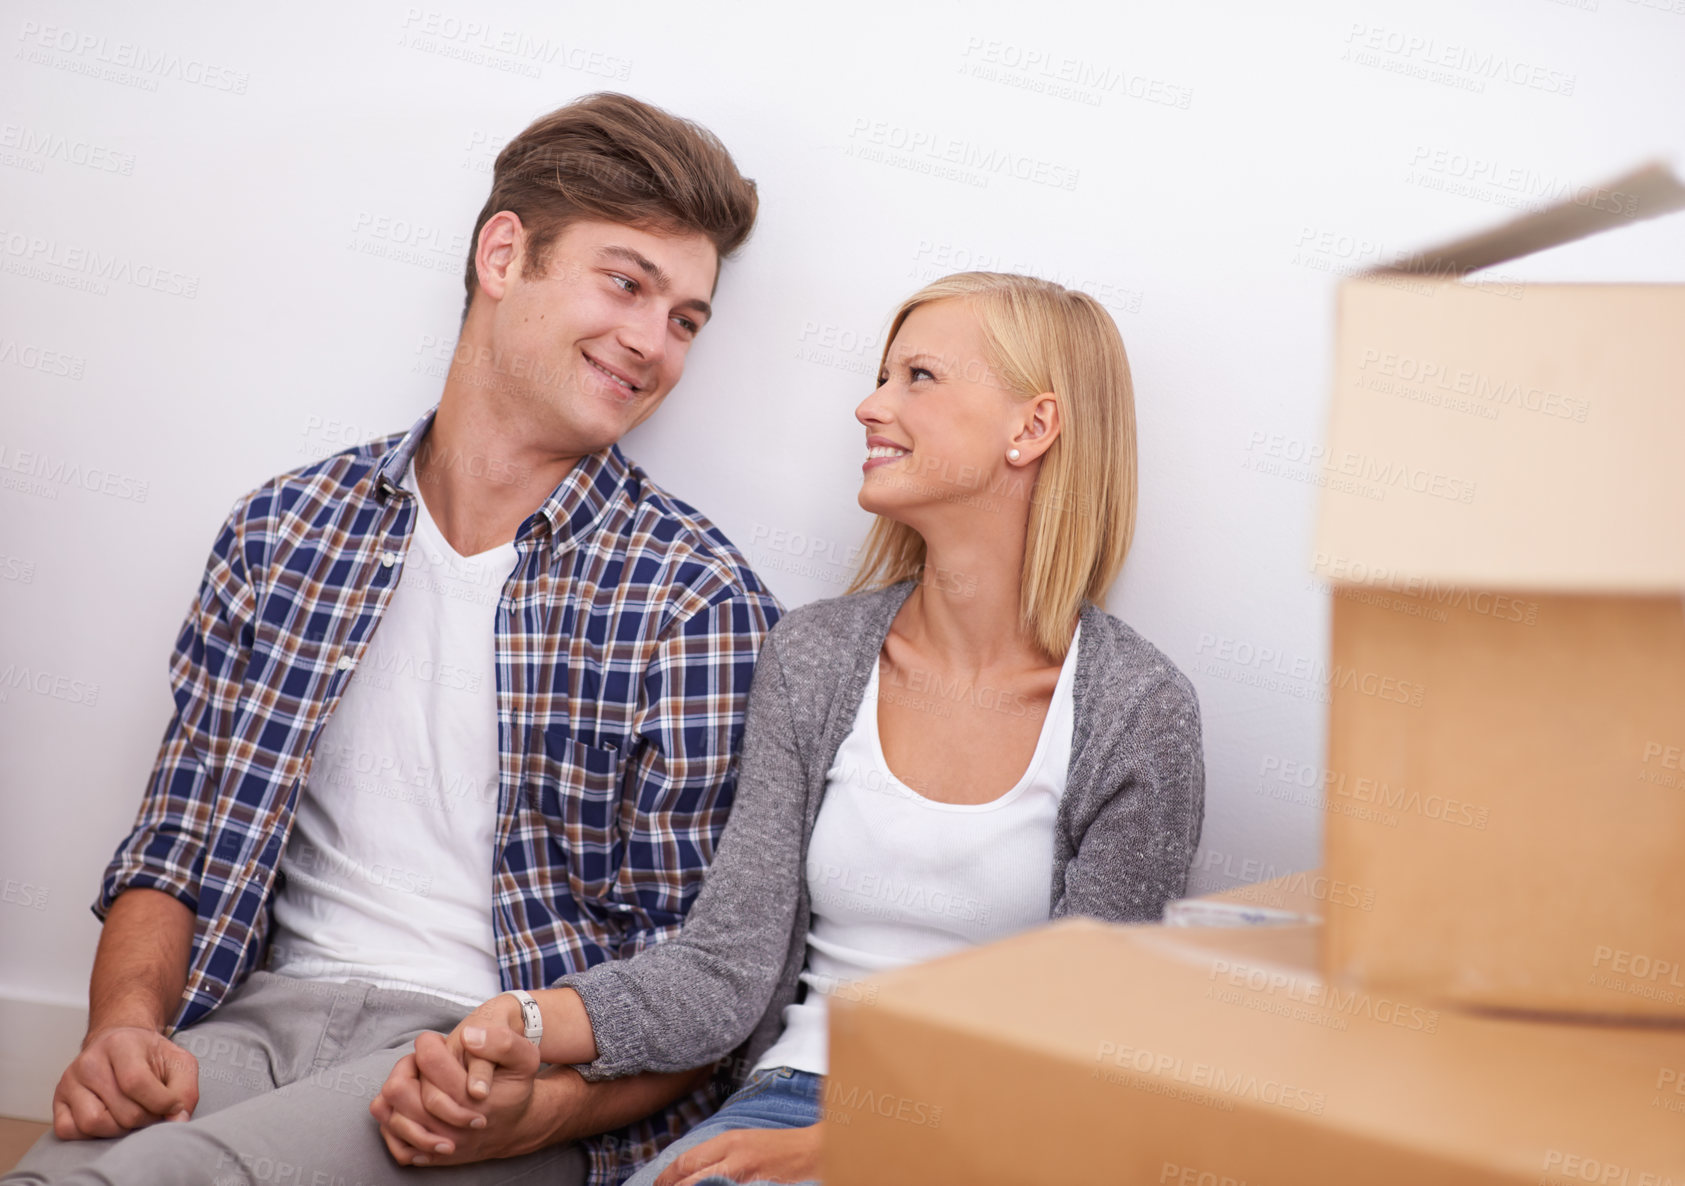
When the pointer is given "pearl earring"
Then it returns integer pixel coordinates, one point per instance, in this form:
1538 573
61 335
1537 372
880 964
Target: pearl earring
1012 454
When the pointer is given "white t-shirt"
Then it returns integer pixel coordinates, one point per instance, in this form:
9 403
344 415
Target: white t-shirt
389 865
895 879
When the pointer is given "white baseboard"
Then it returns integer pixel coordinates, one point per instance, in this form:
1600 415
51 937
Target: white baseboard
37 1041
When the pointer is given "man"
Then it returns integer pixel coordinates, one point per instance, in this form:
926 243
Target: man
490 643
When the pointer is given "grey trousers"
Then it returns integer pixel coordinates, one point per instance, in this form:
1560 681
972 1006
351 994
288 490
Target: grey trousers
287 1068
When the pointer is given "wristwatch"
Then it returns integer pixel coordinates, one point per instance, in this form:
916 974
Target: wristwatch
532 1018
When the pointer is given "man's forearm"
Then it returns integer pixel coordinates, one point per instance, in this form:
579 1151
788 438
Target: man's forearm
140 967
573 1109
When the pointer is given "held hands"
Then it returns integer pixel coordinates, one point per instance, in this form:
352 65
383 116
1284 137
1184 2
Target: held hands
126 1077
466 1096
749 1155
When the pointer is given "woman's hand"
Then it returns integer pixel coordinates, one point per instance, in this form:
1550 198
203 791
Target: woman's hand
465 1096
749 1155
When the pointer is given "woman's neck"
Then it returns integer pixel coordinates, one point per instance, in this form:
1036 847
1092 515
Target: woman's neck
965 609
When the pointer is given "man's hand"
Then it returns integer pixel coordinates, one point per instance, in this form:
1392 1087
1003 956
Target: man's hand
749 1155
125 1078
466 1097
128 1074
477 1093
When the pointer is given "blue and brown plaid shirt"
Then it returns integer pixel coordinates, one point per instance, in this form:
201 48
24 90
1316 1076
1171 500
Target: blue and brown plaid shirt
625 643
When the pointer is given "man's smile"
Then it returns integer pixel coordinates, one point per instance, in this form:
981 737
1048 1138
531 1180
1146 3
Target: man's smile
624 381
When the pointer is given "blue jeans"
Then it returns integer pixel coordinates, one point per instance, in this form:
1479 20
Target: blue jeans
774 1098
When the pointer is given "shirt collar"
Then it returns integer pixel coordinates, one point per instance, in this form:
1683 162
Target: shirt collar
573 507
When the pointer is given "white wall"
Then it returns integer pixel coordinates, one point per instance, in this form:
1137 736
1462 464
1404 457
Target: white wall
1207 171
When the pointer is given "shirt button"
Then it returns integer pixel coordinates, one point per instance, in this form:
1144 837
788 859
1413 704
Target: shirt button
388 559
346 663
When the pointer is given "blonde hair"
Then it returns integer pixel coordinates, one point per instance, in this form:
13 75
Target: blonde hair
1040 336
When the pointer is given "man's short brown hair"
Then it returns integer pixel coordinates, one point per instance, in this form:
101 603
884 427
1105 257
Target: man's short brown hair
612 157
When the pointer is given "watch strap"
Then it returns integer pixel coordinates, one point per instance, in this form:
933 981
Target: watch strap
532 1017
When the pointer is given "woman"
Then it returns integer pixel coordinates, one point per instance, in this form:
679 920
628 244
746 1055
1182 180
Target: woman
961 747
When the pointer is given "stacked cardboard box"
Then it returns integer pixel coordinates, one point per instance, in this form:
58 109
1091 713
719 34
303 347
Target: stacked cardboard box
1509 551
1297 898
1208 1057
1503 523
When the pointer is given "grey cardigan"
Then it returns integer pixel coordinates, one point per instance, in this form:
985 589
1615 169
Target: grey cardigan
1125 833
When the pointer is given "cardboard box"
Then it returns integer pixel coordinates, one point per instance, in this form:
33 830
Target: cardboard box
1503 523
1082 1052
1292 900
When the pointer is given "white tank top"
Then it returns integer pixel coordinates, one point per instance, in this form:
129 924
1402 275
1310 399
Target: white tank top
894 878
389 865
